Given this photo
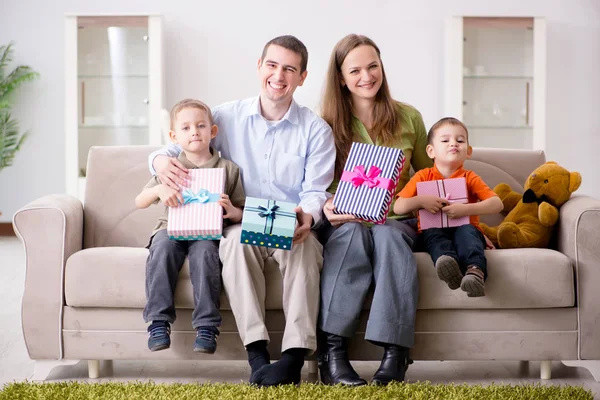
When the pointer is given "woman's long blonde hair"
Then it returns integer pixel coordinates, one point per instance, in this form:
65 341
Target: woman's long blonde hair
337 102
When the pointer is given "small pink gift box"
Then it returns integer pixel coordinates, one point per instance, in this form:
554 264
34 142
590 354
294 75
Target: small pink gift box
200 217
454 190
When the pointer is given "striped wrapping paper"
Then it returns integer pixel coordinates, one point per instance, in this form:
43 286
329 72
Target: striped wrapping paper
454 190
370 204
197 220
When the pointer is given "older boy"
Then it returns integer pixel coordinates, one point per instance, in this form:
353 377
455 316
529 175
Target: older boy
192 128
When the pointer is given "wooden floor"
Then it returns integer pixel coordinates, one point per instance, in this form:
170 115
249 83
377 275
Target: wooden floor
15 364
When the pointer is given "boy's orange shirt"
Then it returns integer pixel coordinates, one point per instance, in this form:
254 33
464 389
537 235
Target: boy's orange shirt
476 187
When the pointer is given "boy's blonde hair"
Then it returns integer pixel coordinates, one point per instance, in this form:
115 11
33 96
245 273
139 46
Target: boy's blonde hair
446 121
189 103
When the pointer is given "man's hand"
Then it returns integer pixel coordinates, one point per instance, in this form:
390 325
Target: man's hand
170 171
169 196
456 210
303 228
433 204
231 212
337 219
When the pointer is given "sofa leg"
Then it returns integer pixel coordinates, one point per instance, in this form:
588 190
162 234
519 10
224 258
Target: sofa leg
312 366
94 369
108 368
591 365
523 368
546 370
42 368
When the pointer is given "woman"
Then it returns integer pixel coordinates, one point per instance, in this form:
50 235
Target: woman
358 106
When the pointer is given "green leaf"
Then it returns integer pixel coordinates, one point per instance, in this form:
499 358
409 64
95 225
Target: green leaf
5 58
11 139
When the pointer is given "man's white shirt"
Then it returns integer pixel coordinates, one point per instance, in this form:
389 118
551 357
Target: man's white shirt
289 160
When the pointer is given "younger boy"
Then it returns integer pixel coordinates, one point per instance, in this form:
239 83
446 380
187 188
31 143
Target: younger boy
454 251
192 128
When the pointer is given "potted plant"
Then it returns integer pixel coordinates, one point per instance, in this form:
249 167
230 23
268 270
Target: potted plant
10 137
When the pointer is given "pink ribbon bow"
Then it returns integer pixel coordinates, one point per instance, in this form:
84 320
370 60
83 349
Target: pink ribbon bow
370 178
359 177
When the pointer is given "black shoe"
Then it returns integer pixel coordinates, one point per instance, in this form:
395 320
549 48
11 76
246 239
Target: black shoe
159 335
393 365
334 364
206 339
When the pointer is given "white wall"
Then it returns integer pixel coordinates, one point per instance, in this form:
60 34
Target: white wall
212 49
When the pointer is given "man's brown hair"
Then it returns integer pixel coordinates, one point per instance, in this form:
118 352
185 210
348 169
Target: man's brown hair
291 43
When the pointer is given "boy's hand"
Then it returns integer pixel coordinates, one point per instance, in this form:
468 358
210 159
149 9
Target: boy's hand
170 171
303 228
231 212
488 243
433 204
336 219
456 210
169 196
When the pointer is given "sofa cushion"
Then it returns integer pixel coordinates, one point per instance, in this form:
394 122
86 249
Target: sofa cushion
518 278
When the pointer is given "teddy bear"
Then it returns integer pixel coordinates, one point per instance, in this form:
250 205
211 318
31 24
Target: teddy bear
530 217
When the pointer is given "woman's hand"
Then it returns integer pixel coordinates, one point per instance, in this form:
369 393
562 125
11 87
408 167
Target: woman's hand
170 171
337 219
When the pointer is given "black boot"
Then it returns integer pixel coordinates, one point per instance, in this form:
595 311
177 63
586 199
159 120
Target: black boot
334 364
393 365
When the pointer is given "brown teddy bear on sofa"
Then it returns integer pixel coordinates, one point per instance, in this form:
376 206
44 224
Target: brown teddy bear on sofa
530 217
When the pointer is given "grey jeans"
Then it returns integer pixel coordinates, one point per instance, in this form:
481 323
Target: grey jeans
162 270
356 257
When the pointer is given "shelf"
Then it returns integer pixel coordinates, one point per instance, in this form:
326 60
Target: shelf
112 76
499 126
113 127
507 77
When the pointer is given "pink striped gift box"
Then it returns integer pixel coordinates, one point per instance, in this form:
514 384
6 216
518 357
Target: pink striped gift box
454 190
201 216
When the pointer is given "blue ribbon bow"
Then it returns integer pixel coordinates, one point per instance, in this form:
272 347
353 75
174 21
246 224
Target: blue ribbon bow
203 196
268 212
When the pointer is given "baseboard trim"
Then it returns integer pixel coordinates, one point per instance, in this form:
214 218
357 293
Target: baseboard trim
6 229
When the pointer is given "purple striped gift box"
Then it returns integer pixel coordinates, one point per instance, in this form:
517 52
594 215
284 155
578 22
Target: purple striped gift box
368 182
201 216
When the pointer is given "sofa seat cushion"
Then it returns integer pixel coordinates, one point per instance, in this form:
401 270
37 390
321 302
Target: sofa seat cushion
114 277
517 278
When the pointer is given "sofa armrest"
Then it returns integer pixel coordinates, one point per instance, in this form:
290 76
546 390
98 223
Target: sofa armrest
579 239
51 229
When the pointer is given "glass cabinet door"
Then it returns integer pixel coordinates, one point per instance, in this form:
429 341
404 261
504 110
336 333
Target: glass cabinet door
498 81
495 79
112 61
114 87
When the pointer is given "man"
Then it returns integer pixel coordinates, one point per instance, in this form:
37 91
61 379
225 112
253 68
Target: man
286 153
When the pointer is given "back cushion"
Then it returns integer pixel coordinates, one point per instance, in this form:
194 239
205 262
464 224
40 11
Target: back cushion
116 175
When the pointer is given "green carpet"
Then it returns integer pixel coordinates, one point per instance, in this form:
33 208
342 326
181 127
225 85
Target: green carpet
417 391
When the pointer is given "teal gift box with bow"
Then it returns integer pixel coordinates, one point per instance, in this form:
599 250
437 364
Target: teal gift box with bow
268 223
200 217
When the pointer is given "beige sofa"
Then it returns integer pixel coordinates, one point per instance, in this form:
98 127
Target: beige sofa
84 290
